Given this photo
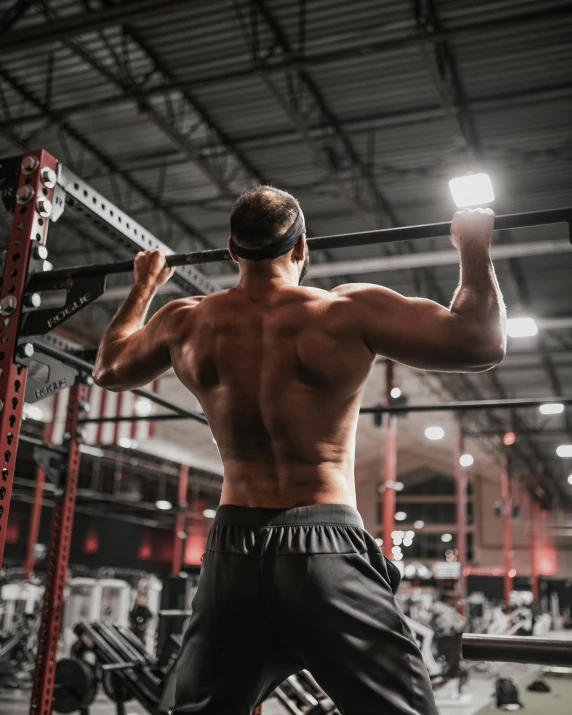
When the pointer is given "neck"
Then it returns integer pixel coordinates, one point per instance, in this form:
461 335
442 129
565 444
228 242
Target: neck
267 275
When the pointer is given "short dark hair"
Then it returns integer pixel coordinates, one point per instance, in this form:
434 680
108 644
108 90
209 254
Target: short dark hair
262 215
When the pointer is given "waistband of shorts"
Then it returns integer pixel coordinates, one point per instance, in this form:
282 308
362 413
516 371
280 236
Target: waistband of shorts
315 514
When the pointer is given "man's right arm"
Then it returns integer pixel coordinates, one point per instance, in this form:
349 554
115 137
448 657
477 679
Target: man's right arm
468 337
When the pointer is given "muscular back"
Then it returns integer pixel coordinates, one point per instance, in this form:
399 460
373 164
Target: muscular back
279 369
279 378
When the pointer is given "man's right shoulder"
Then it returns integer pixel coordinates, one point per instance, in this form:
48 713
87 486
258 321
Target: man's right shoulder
362 301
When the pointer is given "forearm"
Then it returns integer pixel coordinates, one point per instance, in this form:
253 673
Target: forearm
478 301
129 319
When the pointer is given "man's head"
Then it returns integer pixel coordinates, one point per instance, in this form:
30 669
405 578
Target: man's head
262 216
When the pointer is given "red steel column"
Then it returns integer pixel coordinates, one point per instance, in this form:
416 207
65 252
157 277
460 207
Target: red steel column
57 567
461 512
389 469
180 523
119 408
28 231
533 549
507 529
36 514
152 423
102 411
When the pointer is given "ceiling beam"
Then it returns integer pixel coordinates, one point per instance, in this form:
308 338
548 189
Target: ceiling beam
140 10
299 97
147 196
379 120
179 116
13 15
66 28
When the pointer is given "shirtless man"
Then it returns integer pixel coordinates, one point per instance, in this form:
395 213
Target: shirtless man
290 579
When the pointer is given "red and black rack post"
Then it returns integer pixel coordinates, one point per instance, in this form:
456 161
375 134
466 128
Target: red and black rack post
181 520
32 194
57 564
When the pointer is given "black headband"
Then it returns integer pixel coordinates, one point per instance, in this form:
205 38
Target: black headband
278 247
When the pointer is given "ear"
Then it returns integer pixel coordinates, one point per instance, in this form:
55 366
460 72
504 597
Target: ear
232 253
299 249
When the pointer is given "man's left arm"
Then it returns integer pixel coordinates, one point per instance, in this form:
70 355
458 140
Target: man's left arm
132 354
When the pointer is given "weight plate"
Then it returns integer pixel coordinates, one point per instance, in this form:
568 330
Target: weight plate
75 685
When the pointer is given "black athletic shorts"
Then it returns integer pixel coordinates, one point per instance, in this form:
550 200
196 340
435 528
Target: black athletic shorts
282 590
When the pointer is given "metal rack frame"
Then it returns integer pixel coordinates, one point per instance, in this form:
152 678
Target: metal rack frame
37 189
57 564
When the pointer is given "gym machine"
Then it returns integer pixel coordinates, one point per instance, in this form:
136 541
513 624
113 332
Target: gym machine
119 664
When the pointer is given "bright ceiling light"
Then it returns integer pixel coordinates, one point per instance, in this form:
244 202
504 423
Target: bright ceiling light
466 460
400 516
395 393
92 451
163 504
410 570
379 542
396 549
419 524
423 571
434 433
509 438
143 407
472 190
33 412
564 450
209 513
446 538
398 486
127 443
521 327
48 266
570 479
407 542
397 557
552 408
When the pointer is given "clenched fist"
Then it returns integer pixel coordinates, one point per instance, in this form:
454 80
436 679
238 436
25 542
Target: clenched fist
151 269
472 226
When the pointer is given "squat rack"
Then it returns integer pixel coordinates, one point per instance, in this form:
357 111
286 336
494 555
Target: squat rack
37 188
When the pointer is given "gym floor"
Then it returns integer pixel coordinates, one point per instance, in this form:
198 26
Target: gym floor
556 702
477 700
18 704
